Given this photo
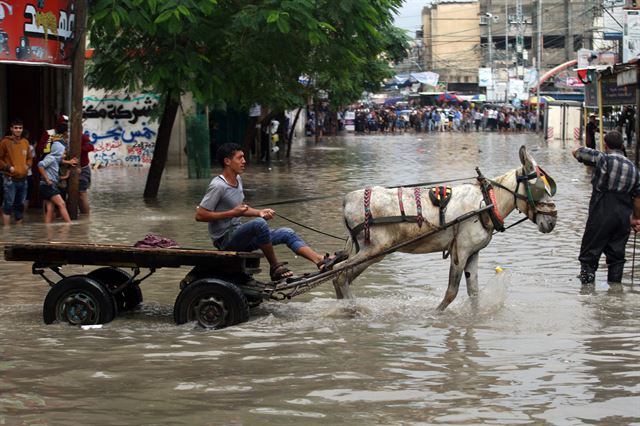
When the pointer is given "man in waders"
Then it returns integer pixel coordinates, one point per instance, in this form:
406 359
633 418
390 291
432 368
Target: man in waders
614 208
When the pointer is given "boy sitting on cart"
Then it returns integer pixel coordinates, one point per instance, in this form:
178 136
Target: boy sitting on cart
223 206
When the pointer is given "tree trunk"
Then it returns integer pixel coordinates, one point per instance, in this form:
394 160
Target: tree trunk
162 148
315 124
265 120
291 130
248 145
77 90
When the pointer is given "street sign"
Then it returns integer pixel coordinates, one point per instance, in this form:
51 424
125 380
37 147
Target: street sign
631 35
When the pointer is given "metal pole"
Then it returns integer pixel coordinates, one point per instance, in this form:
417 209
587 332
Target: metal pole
539 60
583 129
600 111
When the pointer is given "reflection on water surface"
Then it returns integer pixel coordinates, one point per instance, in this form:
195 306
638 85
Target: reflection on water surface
533 352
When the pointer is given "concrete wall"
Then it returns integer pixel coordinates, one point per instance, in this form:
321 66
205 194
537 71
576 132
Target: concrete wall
122 141
177 155
121 127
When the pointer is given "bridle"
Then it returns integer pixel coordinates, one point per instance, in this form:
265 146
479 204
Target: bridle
533 193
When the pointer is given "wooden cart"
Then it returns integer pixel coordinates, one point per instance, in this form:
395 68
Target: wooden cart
217 292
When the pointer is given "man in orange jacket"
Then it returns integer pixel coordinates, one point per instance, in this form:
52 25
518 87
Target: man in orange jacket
15 162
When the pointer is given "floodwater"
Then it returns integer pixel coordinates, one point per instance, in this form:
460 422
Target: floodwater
534 352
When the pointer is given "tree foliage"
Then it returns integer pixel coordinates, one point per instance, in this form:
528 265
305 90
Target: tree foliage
238 53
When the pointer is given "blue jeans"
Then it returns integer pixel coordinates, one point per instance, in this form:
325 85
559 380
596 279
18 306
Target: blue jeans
15 193
251 235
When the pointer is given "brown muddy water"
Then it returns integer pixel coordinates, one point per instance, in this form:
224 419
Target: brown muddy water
535 352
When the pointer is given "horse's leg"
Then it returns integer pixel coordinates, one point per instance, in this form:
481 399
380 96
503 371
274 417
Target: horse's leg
471 275
455 275
342 281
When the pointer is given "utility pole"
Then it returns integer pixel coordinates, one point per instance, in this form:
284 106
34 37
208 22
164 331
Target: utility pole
77 92
568 37
519 37
539 65
587 32
490 43
506 46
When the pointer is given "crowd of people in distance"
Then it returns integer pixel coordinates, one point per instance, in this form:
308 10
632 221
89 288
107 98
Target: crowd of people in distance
444 119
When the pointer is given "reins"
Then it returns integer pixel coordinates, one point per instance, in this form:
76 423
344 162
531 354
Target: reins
326 197
310 228
512 225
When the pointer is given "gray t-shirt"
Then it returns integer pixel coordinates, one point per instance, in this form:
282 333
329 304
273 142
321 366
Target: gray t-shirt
221 197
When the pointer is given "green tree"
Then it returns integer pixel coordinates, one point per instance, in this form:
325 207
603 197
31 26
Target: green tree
238 53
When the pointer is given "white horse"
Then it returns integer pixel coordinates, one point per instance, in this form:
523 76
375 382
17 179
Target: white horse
527 189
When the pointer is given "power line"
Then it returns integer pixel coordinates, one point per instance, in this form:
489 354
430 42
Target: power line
475 28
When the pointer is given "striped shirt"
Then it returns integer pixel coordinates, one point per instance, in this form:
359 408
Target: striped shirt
613 172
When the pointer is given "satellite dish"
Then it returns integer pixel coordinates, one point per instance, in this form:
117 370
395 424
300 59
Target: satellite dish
496 18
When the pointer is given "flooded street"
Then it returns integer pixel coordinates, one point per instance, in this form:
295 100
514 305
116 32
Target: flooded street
534 352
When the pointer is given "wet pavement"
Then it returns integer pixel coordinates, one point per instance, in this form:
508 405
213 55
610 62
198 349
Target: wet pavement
535 351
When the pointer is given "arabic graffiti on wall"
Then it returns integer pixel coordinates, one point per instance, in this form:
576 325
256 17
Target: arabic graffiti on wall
121 128
39 31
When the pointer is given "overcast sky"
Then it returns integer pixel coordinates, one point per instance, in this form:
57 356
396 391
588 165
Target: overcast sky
409 16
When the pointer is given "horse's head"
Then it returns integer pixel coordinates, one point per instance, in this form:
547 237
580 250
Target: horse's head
535 188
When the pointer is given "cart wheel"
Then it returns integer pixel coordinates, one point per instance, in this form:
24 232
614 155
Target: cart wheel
111 278
213 303
78 300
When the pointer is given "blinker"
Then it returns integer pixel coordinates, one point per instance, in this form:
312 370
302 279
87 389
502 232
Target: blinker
543 184
550 184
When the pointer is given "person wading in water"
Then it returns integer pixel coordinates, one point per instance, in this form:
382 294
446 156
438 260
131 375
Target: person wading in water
613 209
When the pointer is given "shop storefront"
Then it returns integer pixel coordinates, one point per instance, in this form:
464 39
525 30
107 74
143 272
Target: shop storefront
36 43
613 87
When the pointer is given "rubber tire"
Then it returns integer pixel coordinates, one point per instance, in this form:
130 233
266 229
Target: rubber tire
234 302
126 300
88 289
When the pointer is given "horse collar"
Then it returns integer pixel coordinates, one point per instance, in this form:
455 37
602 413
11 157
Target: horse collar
490 198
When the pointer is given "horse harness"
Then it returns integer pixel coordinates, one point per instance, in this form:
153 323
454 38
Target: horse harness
489 196
439 197
533 193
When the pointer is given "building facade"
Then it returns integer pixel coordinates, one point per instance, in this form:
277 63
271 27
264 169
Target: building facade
451 40
461 36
